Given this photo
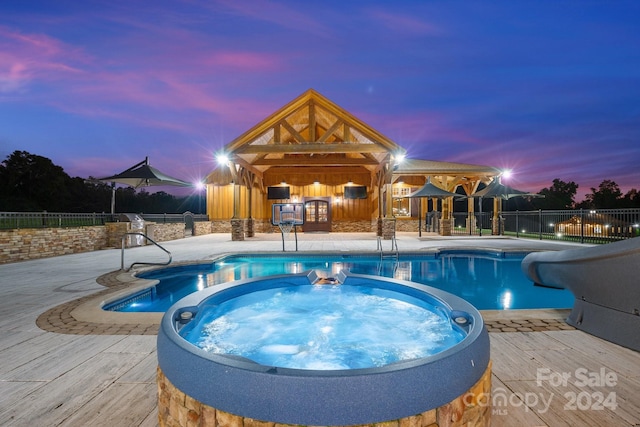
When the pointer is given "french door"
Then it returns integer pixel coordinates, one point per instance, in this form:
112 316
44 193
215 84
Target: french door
317 214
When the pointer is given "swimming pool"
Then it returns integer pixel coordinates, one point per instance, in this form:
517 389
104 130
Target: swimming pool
489 280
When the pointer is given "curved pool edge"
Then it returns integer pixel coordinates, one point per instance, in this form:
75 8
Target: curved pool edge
341 397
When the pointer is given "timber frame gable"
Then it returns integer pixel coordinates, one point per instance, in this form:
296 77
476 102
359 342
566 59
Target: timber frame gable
308 133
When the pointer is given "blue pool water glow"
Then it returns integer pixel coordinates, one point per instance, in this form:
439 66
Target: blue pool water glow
488 280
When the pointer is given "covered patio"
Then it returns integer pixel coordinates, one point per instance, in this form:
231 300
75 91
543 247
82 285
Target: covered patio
346 174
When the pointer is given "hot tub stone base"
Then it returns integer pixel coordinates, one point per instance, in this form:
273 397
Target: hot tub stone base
471 409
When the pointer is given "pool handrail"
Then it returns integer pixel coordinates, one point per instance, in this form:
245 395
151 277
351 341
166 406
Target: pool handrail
136 233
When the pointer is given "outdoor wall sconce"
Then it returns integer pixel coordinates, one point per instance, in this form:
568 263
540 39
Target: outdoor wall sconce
222 159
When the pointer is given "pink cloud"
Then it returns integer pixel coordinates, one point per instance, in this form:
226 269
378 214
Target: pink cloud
27 57
251 61
403 23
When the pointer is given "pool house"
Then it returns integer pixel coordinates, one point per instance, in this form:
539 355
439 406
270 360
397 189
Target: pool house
347 176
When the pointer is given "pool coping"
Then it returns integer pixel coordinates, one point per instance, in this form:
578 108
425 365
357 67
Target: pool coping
85 316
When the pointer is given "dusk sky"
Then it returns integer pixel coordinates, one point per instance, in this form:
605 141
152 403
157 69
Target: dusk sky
549 89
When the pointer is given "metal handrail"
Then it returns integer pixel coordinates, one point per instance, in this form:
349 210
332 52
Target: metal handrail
393 254
141 263
394 247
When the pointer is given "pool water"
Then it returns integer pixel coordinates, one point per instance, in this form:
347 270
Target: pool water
488 280
324 327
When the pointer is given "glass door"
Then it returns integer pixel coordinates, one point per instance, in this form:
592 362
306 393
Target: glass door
317 215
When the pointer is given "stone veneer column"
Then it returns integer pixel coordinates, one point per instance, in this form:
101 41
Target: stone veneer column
445 227
496 226
237 229
379 227
250 228
115 231
388 228
471 409
472 227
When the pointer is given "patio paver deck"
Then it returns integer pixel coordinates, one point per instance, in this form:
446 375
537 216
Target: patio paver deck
57 371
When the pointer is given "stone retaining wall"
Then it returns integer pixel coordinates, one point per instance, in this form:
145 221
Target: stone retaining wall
202 227
165 232
471 409
362 226
221 226
34 243
407 225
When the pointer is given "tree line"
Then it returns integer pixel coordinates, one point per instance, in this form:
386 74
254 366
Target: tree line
29 183
32 183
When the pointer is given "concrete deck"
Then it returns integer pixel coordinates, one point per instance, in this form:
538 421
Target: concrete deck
61 371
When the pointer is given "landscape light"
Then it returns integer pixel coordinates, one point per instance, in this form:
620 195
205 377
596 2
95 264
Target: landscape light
506 174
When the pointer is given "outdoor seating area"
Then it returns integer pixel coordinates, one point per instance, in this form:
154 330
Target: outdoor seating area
83 375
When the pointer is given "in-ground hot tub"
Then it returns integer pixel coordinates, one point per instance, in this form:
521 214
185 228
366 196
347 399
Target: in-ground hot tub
452 375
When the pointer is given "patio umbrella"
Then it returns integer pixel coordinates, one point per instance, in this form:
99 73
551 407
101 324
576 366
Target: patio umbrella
141 175
497 190
430 191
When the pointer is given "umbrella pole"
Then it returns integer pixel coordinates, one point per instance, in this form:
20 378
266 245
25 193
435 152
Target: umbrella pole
419 218
480 221
113 198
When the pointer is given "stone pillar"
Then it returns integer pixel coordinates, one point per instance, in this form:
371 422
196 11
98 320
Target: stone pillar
471 224
497 226
115 231
388 228
496 221
379 227
250 228
445 226
237 229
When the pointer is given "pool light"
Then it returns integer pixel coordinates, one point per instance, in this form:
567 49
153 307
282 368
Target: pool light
506 300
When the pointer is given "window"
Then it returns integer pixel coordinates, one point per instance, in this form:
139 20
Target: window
401 207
